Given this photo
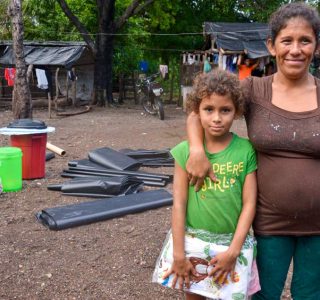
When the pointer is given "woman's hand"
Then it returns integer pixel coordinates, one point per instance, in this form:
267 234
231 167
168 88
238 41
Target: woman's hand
198 168
223 264
182 269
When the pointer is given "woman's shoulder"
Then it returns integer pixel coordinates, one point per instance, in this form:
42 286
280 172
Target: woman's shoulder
254 83
257 89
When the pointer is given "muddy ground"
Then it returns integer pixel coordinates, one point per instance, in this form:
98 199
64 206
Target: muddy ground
113 259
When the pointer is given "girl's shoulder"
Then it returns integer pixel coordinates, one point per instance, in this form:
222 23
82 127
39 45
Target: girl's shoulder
242 142
181 149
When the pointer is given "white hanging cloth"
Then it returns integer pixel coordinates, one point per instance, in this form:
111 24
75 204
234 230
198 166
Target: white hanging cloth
42 79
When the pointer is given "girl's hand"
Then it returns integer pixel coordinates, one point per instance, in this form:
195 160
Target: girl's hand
182 269
223 264
198 168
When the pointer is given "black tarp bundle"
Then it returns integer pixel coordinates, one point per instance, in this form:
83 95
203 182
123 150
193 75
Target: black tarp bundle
67 216
113 159
151 158
248 37
98 187
86 168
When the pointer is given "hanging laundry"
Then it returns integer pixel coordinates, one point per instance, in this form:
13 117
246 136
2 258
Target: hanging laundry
72 76
216 58
224 62
206 66
42 79
163 70
9 75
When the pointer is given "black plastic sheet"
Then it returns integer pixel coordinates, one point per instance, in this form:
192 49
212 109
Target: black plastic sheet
99 186
67 216
113 159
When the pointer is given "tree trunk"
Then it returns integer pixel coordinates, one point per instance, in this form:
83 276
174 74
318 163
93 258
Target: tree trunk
104 53
21 96
103 71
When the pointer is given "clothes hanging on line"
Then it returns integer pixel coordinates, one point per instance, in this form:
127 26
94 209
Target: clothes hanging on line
164 70
42 79
72 76
9 75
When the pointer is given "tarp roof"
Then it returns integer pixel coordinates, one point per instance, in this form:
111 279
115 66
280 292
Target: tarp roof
59 54
248 37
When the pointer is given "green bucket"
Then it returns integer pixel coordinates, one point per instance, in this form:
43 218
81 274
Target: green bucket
11 168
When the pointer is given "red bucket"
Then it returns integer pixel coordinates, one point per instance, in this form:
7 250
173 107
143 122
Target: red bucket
33 147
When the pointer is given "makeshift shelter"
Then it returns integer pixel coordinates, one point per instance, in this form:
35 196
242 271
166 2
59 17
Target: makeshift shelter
224 43
52 57
249 38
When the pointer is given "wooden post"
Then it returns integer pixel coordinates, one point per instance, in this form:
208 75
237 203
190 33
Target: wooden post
49 105
67 86
57 90
121 96
179 103
220 60
74 89
134 88
171 88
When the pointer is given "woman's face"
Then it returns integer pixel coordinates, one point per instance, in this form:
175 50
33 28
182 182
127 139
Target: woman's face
293 48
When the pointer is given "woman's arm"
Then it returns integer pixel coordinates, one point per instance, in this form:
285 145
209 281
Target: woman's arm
181 267
198 165
225 262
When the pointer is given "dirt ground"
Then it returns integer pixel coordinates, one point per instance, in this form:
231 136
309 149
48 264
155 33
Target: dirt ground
113 259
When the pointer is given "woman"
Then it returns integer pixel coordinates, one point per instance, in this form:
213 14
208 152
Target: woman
283 121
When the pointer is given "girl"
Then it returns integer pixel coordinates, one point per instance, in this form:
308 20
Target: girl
209 253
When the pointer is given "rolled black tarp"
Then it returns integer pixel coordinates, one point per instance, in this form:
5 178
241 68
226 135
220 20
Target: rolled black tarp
63 217
99 186
113 159
81 174
151 158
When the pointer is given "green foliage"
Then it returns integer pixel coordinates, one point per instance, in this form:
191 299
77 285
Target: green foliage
44 20
5 27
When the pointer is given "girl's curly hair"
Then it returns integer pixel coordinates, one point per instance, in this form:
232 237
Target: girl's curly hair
218 82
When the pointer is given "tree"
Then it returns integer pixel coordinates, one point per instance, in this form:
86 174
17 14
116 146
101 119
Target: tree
103 45
21 96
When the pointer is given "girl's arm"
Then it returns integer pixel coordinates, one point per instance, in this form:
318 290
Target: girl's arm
198 165
224 263
181 267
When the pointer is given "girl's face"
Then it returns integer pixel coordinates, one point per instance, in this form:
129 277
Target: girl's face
217 114
293 48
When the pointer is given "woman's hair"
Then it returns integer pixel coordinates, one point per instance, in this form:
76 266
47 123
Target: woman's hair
281 16
218 82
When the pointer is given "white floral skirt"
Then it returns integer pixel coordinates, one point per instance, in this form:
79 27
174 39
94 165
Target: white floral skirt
200 247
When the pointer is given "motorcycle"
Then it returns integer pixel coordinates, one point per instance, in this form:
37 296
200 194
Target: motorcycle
150 93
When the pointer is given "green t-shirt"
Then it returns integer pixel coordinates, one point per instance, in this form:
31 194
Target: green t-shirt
217 206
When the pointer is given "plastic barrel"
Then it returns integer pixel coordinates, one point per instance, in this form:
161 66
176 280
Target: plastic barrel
11 168
33 147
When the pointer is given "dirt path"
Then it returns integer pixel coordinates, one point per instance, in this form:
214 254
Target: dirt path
107 260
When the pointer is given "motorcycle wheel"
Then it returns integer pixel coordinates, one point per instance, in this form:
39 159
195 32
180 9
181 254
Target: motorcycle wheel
149 106
159 108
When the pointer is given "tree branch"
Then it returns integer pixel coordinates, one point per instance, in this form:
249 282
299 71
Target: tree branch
133 9
75 21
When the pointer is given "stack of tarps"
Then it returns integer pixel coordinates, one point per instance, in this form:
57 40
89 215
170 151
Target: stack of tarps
112 175
106 162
